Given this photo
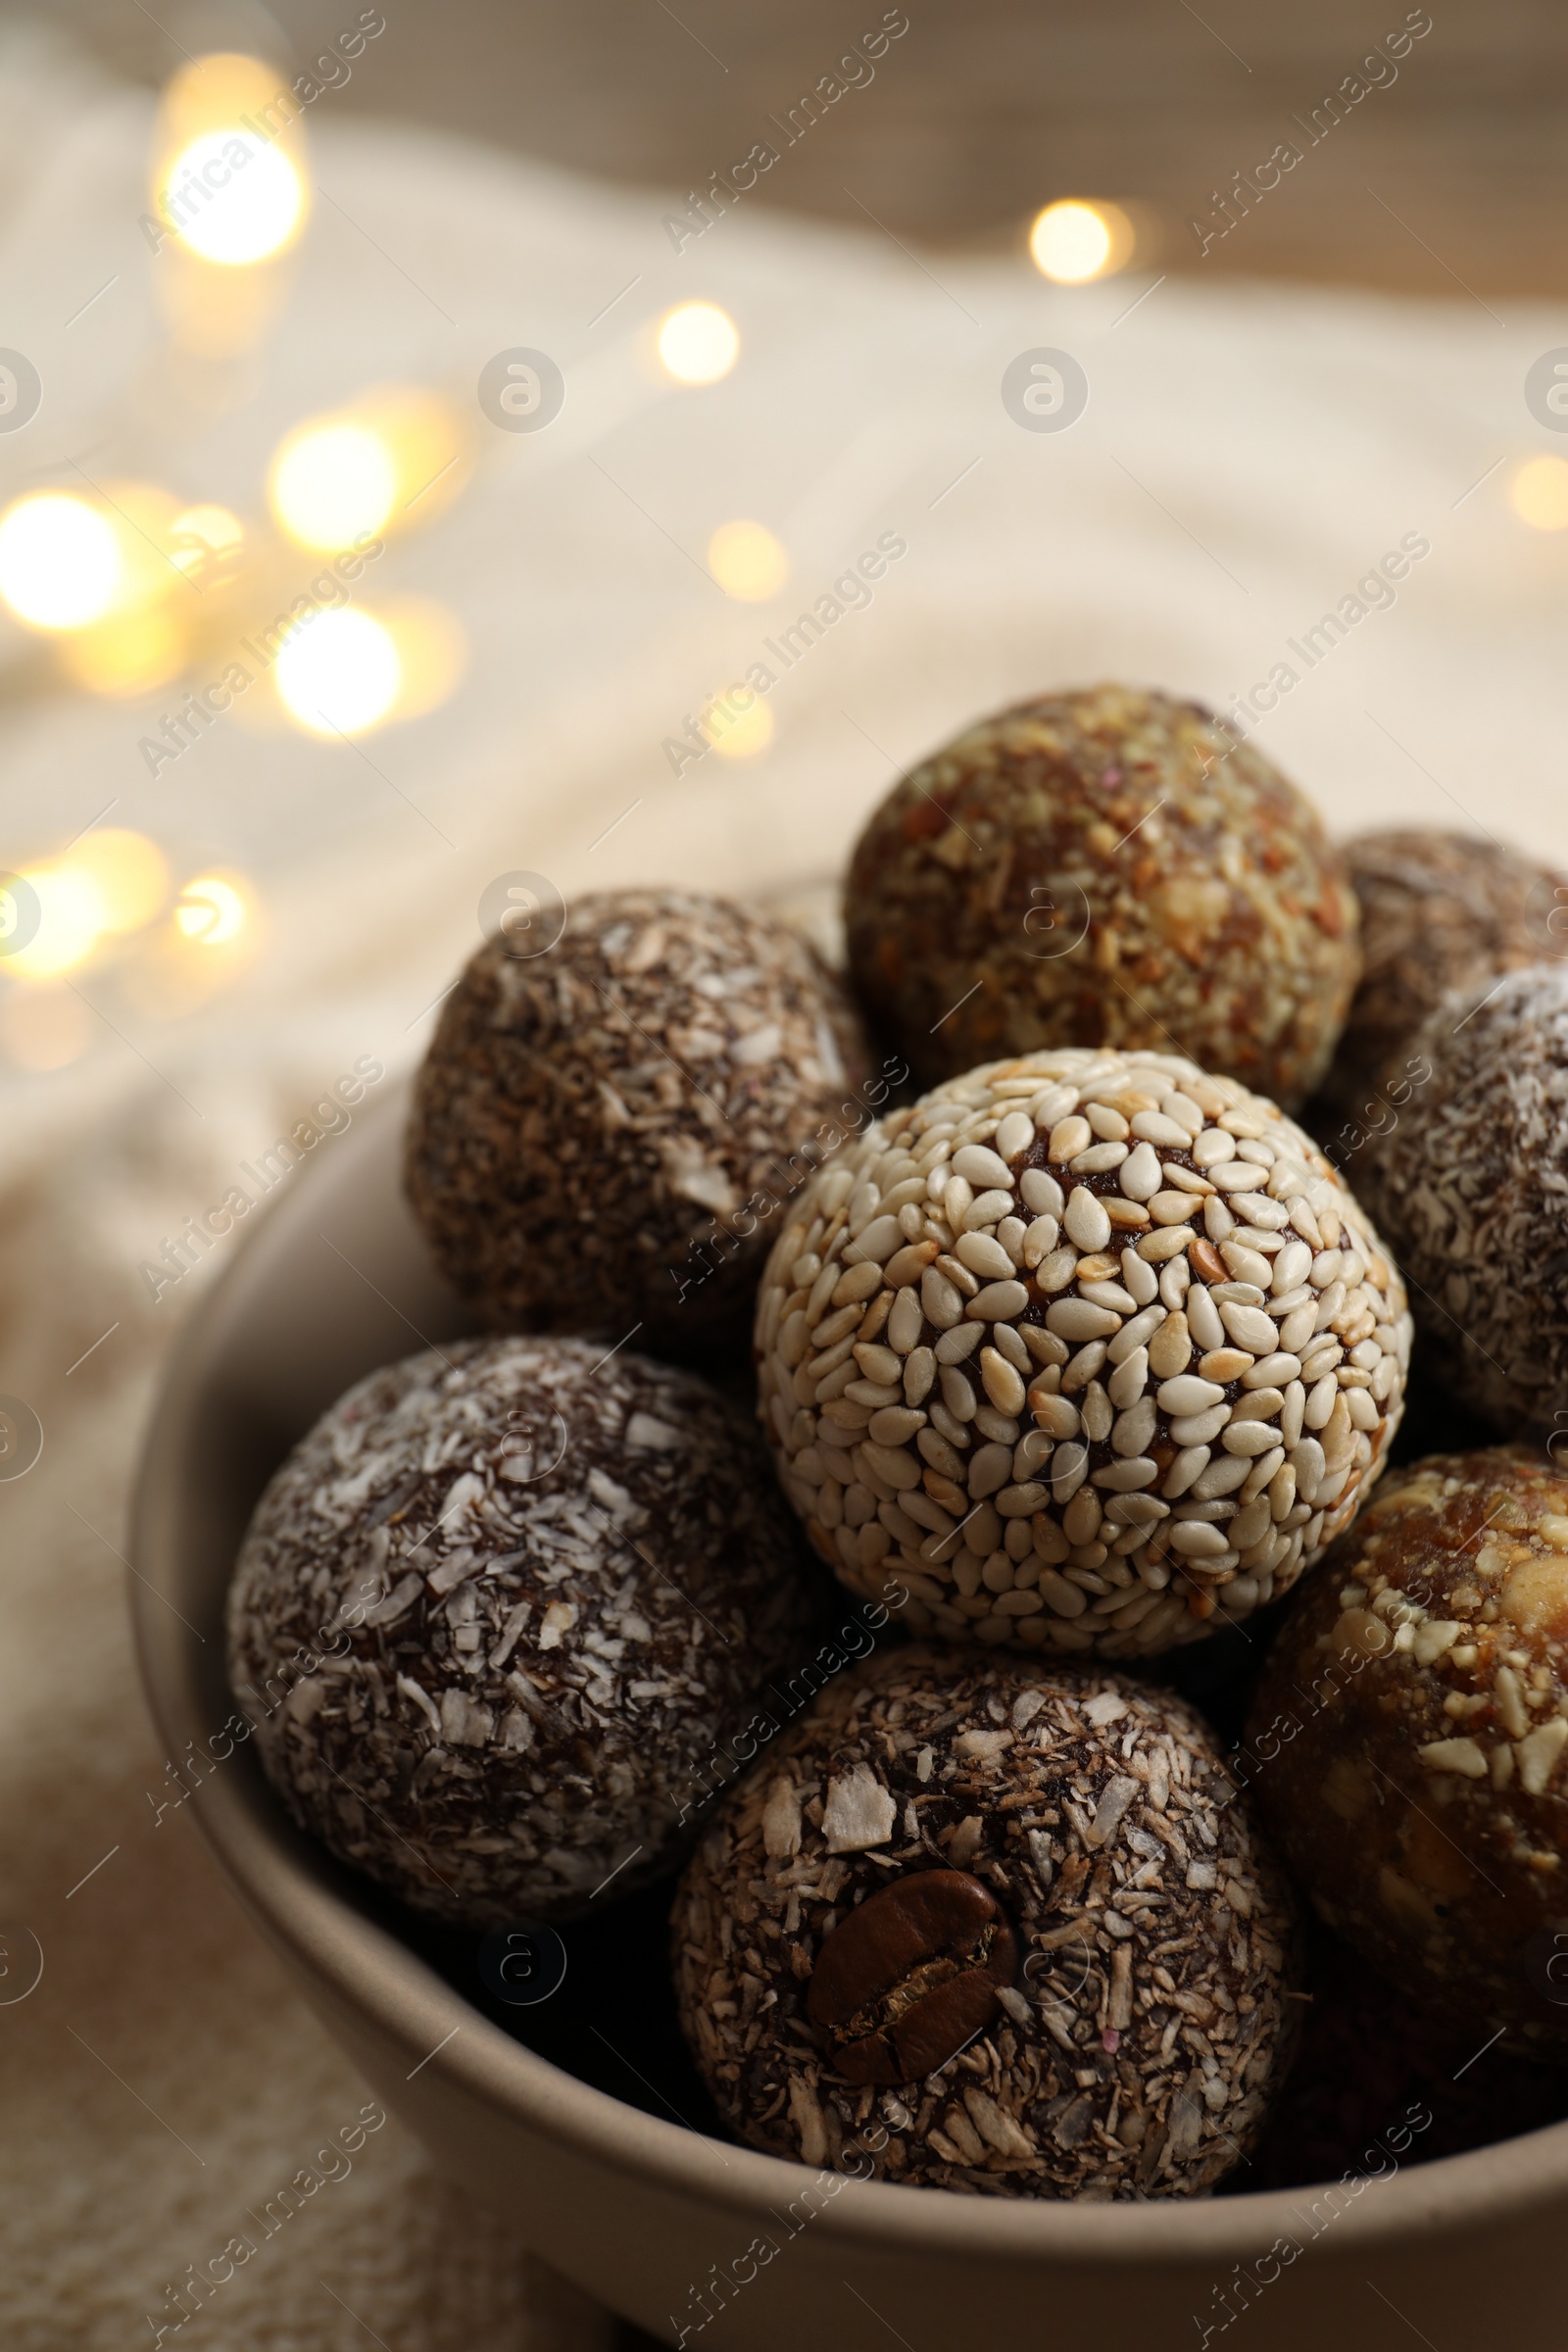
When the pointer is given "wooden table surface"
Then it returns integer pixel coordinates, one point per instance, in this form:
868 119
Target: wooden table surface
1448 174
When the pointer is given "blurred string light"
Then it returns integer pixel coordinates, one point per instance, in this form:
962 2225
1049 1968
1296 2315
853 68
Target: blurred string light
128 872
1538 493
397 457
205 543
233 211
431 649
60 564
129 654
747 560
69 923
740 734
229 198
340 674
107 886
227 174
351 670
212 910
118 576
331 483
207 938
1075 241
698 343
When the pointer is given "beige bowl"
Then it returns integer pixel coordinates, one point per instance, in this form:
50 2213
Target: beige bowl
333 1280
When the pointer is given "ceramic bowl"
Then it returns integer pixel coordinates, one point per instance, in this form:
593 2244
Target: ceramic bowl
678 2231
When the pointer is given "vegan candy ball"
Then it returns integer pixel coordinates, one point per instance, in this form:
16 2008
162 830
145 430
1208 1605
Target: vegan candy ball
1409 1738
1439 912
602 1129
977 1926
1470 1188
1105 867
1084 1351
495 1610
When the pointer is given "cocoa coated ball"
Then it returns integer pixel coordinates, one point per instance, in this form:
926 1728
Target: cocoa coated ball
603 1133
493 1613
1468 1180
981 1925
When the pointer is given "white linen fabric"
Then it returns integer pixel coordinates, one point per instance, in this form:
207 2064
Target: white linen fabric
1246 457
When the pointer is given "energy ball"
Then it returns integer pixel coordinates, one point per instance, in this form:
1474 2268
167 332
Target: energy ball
1439 912
1084 1351
975 1925
1409 1739
601 1130
1105 867
1469 1181
494 1611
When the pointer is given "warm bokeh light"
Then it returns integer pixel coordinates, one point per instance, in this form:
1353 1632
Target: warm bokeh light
127 871
129 654
747 560
43 1028
219 274
70 919
740 735
211 911
331 483
1539 492
205 542
143 639
398 456
233 211
1074 241
103 886
431 650
698 342
59 560
339 674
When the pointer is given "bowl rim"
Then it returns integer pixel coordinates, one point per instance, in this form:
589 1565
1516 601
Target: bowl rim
304 1904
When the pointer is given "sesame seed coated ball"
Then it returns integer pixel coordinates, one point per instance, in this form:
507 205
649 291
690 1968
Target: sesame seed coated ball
979 1924
1082 1351
1107 866
1439 912
493 1613
1470 1185
601 1131
1407 1743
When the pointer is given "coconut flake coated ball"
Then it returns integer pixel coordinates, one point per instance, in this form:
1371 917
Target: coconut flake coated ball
1085 1352
1439 910
1110 867
601 1131
1469 1181
1408 1740
494 1611
982 1925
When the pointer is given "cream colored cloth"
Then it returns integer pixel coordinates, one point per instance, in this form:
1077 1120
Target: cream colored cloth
1247 457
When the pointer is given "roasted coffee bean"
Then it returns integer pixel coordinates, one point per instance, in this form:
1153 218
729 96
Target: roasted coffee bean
910 1975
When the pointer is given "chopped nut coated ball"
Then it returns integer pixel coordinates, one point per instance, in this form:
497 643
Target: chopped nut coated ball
604 1134
1439 912
975 1924
1409 1738
1084 1351
1104 867
493 1613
